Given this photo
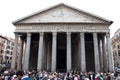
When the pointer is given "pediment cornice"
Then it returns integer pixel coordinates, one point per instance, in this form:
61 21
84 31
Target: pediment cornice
62 13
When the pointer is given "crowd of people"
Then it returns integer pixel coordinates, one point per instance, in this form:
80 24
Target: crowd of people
45 75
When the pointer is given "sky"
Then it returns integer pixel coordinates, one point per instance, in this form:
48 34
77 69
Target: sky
11 10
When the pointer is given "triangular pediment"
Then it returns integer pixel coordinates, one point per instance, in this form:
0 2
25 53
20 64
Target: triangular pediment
62 14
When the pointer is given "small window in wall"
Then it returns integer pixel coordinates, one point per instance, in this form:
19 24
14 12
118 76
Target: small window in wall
7 52
114 46
119 52
12 43
8 47
10 58
118 46
11 53
11 48
115 53
1 51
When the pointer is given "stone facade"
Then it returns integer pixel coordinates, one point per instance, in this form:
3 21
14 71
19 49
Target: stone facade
6 49
115 42
63 38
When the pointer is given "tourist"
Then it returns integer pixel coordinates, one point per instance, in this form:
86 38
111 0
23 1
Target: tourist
23 75
20 74
14 77
91 75
109 77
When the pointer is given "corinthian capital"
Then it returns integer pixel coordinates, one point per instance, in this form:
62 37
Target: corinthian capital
107 34
82 35
95 35
54 33
29 34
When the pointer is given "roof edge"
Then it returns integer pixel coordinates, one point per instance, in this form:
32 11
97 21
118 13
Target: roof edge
60 4
37 12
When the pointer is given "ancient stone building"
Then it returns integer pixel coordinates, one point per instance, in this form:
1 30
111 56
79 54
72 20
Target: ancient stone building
62 38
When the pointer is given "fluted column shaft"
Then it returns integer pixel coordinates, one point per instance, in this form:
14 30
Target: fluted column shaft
100 53
15 52
104 54
54 47
110 56
19 65
82 46
68 51
27 52
96 53
40 52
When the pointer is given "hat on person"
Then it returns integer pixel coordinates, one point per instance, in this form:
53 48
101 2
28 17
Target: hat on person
14 76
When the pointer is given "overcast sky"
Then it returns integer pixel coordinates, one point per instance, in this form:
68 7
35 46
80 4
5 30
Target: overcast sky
11 10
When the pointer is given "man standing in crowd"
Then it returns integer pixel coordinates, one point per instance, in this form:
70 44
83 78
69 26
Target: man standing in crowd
22 76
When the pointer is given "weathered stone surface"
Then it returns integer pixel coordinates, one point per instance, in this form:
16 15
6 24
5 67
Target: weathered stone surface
60 20
62 28
62 13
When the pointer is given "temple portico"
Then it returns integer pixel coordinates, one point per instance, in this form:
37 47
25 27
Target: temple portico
62 39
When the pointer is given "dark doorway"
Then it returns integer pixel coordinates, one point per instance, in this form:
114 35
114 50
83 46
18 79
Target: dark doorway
89 50
61 60
34 52
61 52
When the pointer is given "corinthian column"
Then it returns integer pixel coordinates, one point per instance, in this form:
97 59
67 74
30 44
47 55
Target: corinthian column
54 44
21 43
40 52
104 55
68 51
27 52
96 53
82 46
110 56
15 52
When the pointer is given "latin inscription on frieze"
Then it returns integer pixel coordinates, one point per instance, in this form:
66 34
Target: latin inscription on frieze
57 28
61 28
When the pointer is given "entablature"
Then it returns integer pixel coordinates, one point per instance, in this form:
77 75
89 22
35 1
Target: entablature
62 28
